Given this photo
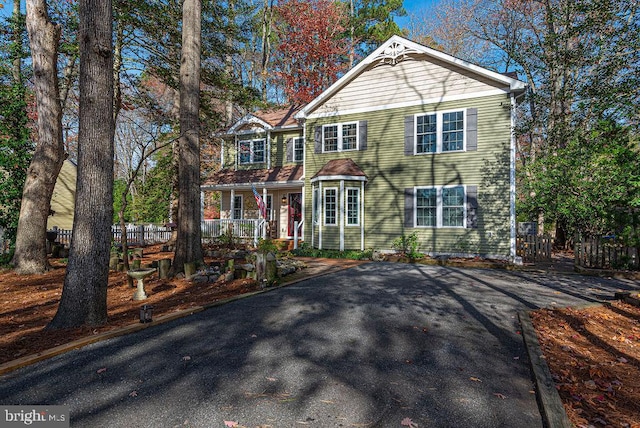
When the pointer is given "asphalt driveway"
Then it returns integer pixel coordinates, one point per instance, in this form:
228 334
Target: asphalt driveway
365 347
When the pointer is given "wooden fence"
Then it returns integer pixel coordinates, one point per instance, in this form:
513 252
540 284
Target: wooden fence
534 248
605 253
149 234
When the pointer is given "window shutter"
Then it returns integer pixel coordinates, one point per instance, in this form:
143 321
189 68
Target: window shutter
472 129
472 207
408 136
289 149
362 135
317 139
408 207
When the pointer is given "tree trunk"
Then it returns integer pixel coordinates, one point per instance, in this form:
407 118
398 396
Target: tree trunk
31 250
84 294
188 244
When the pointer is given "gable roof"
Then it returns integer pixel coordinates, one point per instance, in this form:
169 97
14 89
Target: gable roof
395 50
274 118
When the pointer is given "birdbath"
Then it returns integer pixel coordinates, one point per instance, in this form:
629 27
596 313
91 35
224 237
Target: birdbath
140 275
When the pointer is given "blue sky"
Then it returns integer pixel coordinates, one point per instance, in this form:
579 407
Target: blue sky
413 6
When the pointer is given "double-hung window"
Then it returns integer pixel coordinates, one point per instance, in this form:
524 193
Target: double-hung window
251 151
452 131
298 149
426 133
353 206
340 137
426 207
330 207
453 206
440 206
440 132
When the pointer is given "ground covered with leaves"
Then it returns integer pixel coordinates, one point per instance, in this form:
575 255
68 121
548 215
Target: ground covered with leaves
594 358
29 302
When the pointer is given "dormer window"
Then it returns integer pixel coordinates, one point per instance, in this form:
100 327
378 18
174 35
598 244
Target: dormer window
251 151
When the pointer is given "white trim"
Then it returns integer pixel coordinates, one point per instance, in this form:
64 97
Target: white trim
414 103
248 119
302 211
224 143
321 207
337 207
439 207
267 150
341 214
377 56
439 131
339 177
512 183
362 214
346 207
247 186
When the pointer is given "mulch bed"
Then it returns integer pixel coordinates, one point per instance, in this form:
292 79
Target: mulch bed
594 358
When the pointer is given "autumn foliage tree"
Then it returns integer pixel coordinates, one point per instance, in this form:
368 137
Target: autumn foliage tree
311 50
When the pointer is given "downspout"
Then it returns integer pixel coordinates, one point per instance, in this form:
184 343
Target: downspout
362 216
341 213
321 219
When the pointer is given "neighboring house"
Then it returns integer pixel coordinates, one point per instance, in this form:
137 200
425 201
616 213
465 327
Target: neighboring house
63 199
410 140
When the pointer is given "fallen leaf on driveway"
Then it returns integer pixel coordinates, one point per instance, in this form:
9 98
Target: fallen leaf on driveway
102 370
230 424
502 396
475 379
186 358
133 394
407 422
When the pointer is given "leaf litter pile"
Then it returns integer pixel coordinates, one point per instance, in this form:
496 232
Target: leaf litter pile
594 357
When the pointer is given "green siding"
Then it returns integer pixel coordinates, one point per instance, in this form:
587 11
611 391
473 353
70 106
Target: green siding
275 145
389 172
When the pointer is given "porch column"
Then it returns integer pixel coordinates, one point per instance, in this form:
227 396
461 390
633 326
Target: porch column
266 219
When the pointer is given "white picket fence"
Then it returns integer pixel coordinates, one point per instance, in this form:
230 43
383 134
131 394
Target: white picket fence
149 234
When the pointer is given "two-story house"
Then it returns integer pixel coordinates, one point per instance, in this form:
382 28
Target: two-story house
411 140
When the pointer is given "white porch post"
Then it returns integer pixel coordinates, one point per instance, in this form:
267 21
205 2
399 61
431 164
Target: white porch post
266 219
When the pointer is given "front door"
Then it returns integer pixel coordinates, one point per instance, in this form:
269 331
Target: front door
295 211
